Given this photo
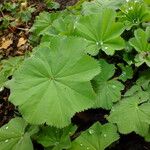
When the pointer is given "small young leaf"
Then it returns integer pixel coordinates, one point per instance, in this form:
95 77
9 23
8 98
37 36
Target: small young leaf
141 45
55 77
43 23
97 137
127 72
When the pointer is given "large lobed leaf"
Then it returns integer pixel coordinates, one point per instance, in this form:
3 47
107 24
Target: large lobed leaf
133 112
101 32
54 83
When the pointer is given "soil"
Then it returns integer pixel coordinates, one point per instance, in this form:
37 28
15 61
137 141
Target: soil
83 119
6 108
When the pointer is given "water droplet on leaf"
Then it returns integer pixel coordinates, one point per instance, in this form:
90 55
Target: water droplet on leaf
6 141
91 131
6 128
97 43
105 135
81 144
113 86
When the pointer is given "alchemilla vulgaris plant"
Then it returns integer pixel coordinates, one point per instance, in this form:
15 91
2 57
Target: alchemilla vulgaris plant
94 55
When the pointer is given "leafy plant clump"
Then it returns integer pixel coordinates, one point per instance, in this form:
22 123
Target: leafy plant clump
92 55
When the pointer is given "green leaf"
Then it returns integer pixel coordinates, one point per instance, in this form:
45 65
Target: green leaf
132 113
53 78
107 90
25 15
134 13
8 67
127 72
63 25
96 6
57 139
101 32
43 23
14 137
92 7
144 80
141 45
97 137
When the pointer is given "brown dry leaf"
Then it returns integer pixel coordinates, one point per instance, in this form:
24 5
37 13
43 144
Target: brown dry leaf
21 41
6 44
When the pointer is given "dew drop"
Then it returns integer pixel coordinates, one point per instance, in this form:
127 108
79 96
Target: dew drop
97 43
6 141
113 86
87 148
6 128
105 135
123 74
91 131
101 43
130 8
81 144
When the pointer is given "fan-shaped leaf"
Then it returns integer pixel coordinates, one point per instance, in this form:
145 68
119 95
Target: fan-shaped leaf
101 32
132 113
54 83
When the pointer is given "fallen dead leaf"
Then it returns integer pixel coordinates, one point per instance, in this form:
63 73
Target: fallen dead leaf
6 43
21 41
